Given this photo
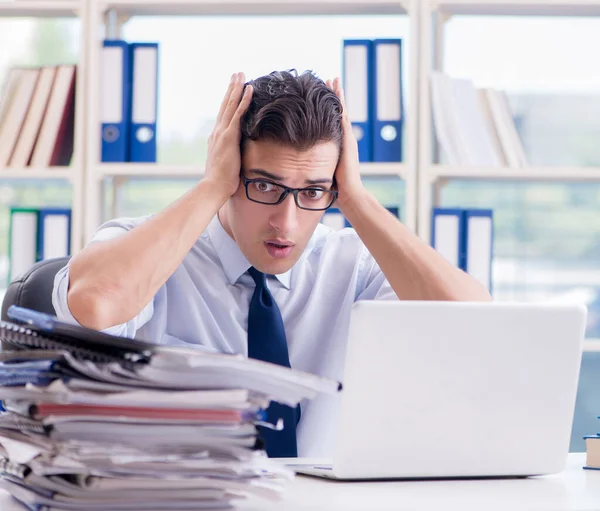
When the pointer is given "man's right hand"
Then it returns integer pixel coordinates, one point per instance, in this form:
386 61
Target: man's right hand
111 282
223 162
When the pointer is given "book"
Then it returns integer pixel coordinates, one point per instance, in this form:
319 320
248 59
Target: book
37 117
592 448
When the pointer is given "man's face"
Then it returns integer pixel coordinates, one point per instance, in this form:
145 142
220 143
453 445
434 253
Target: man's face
261 230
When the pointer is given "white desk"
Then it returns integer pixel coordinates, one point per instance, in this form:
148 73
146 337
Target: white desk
574 489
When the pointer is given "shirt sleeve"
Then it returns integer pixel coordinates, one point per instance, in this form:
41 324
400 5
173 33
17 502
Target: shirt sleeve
109 230
371 283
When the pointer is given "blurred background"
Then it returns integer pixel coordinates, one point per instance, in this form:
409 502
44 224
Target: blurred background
546 233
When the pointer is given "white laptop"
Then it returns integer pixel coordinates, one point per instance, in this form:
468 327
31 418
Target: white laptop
453 390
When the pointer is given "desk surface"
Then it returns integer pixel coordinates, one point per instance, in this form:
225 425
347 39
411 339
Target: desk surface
574 489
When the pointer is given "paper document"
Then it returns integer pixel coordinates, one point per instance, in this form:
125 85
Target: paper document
93 422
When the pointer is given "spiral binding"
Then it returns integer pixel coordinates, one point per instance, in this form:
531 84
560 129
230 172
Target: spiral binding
12 420
11 468
21 337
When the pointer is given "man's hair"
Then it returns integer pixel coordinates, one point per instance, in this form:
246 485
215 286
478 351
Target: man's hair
296 110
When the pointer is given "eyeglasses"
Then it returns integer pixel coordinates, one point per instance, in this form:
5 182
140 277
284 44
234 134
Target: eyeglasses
267 192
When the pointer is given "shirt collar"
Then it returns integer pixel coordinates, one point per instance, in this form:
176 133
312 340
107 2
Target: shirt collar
233 261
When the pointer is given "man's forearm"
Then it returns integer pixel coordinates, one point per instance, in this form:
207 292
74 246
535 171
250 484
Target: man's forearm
112 281
414 269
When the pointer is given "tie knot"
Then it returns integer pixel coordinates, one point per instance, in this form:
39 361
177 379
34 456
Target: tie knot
259 277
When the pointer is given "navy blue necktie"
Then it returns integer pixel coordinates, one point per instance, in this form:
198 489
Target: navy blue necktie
267 342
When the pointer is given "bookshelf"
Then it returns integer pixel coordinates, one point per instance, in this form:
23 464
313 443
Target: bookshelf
75 173
434 14
141 170
109 15
435 172
516 7
254 7
419 170
49 174
40 9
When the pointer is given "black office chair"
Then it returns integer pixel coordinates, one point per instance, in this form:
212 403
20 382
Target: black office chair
33 289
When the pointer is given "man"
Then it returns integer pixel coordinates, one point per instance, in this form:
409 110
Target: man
241 263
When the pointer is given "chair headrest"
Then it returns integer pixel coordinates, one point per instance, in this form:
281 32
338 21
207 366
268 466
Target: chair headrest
33 289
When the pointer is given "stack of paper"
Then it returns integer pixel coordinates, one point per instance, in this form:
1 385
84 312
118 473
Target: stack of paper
174 430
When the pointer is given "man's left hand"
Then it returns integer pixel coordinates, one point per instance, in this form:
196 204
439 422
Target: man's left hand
347 174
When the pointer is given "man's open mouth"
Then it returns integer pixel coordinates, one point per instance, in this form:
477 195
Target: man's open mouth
279 243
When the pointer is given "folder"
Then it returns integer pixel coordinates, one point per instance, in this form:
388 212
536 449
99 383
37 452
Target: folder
479 236
448 234
334 218
22 240
54 233
114 100
144 94
357 64
388 110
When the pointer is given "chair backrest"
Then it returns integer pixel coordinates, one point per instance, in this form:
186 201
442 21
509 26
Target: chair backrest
33 289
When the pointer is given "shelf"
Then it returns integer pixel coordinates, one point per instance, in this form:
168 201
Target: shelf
525 174
39 8
257 7
149 170
591 345
383 169
34 173
519 7
163 171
